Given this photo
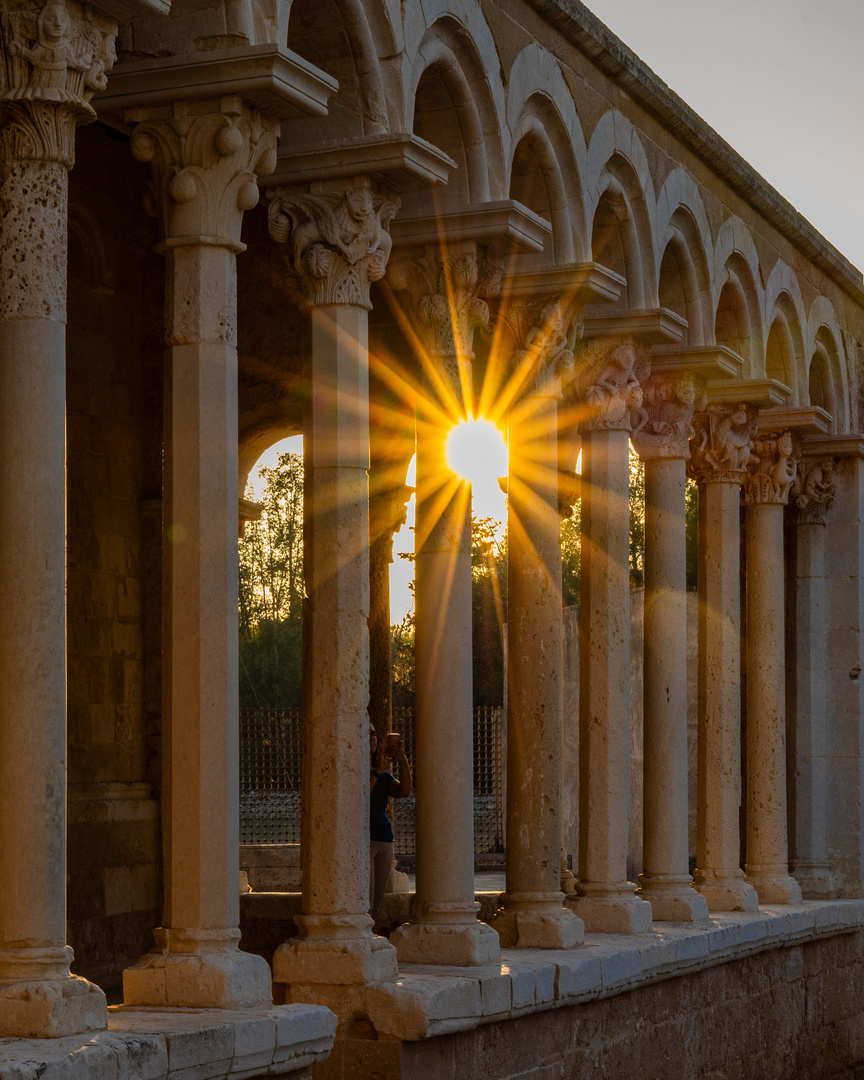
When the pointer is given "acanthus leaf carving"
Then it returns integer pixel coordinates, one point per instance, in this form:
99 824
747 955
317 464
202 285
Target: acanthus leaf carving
813 490
205 160
771 470
337 243
722 444
664 424
447 301
56 57
608 380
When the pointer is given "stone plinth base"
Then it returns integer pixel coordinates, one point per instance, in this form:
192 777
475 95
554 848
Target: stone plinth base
729 893
334 950
51 1008
617 914
176 1045
815 880
773 884
673 899
459 945
541 926
198 969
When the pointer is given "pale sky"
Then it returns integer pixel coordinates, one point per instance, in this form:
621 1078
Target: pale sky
782 81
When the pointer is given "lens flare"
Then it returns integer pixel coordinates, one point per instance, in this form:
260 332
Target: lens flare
476 451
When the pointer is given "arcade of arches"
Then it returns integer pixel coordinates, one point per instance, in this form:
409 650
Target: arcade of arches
223 224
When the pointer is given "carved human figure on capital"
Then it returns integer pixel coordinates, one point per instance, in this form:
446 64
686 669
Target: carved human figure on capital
813 489
772 469
664 425
339 241
67 61
724 439
611 388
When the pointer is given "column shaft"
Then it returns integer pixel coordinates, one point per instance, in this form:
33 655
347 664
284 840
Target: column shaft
767 848
38 996
533 916
445 928
805 675
665 878
607 903
719 877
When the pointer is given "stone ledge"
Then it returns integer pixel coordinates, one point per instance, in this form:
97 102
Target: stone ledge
429 1000
179 1044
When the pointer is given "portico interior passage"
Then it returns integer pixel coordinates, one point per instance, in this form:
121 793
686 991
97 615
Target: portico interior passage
365 222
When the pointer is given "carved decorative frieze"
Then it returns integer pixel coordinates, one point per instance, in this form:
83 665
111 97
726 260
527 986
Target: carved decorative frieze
447 302
609 382
56 56
337 243
544 329
722 444
813 490
205 158
771 470
664 423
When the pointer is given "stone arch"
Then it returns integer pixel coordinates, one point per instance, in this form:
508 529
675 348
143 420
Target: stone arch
784 345
538 95
336 36
685 256
255 439
449 76
620 207
827 378
738 310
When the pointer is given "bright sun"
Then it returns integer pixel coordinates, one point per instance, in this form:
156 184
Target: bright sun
476 450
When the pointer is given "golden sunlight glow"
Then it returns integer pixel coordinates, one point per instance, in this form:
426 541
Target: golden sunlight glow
476 451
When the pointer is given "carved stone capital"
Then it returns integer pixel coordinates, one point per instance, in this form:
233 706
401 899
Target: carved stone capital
608 380
544 331
722 444
772 469
55 57
665 420
336 243
447 301
205 157
813 490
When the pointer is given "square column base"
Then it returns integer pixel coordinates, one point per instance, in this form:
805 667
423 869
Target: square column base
673 900
773 885
726 893
544 926
454 944
816 880
51 1008
622 914
198 969
334 961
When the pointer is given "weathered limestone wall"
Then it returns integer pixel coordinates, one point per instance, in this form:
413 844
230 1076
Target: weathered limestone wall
113 447
791 1012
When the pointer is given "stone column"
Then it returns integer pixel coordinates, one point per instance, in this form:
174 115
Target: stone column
204 156
766 491
533 915
40 107
721 450
662 441
445 297
612 395
387 514
812 496
336 243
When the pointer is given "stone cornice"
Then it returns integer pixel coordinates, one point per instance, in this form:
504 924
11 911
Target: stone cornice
403 162
650 325
709 362
505 225
581 283
761 393
833 445
621 64
274 80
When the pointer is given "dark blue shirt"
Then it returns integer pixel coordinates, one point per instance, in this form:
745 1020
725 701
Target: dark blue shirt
380 827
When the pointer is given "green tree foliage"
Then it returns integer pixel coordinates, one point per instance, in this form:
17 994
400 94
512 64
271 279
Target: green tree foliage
637 519
488 608
271 591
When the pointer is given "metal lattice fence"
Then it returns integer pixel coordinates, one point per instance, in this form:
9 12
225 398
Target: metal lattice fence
271 749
